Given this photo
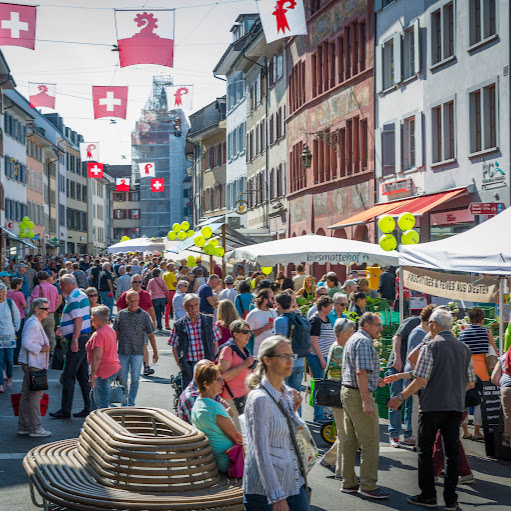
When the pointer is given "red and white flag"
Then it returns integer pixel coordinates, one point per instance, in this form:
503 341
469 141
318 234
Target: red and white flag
146 169
122 184
89 151
145 36
157 185
42 94
17 25
95 169
282 18
110 101
180 96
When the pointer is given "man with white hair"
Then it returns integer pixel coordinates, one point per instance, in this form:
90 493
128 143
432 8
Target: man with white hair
75 326
444 372
135 268
123 282
106 287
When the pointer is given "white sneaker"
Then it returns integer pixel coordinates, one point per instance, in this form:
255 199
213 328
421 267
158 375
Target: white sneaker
409 440
40 432
394 442
468 479
22 432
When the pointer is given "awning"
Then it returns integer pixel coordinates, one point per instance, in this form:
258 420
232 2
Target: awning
416 205
17 238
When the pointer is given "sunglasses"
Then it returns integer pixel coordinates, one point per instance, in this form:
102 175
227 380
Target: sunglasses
136 282
245 331
93 295
44 308
285 357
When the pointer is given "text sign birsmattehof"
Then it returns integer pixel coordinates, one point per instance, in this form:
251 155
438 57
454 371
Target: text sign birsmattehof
456 287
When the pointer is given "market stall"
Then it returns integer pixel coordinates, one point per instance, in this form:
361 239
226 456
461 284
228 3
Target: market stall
143 244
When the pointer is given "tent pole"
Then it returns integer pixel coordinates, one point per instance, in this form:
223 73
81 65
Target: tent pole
401 297
501 314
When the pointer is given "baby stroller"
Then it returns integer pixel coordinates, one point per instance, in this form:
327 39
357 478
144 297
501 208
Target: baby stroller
177 384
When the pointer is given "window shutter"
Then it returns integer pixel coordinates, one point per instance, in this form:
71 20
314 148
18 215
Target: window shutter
378 157
416 47
378 5
379 68
397 137
418 140
397 57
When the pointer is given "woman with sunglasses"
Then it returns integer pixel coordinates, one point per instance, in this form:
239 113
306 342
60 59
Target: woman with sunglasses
236 361
34 354
273 479
92 295
210 417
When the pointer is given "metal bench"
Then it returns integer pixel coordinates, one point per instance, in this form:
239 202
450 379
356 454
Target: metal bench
131 459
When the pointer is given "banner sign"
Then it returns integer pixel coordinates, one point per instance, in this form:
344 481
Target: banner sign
456 287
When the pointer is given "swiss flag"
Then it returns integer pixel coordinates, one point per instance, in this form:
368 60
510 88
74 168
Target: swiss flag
122 184
110 101
157 185
282 18
17 25
95 169
145 37
180 96
42 94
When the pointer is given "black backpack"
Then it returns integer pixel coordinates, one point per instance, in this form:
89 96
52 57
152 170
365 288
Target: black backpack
299 334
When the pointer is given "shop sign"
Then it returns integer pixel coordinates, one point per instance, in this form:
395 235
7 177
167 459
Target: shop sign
456 287
486 208
401 185
492 174
451 217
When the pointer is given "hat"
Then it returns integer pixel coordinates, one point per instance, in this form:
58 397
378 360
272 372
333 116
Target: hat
22 265
4 274
198 259
229 279
350 283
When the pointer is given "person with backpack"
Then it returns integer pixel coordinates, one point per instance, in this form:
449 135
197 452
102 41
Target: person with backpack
236 363
297 329
244 299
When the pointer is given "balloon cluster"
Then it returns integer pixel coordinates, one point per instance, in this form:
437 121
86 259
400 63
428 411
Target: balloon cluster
26 226
406 222
210 246
180 231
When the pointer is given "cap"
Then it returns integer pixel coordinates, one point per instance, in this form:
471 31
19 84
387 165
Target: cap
350 283
229 279
4 274
22 265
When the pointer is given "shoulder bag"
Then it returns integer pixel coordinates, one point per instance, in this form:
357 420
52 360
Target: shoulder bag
328 392
38 378
305 451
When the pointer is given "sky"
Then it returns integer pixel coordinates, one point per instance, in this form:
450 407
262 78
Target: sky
202 36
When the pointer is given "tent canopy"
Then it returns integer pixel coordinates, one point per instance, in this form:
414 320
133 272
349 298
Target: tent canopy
486 248
313 248
143 244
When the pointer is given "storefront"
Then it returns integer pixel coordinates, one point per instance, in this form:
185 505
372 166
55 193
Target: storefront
12 246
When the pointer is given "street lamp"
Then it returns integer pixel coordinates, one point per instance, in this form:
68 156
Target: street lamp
306 157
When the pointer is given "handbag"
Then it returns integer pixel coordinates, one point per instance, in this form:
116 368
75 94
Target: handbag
304 448
328 392
236 455
116 392
43 404
473 396
57 362
38 379
491 359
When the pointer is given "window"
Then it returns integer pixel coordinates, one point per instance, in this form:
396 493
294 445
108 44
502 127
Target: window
296 86
134 196
411 54
409 143
483 118
135 213
390 63
482 19
443 134
388 149
119 197
442 33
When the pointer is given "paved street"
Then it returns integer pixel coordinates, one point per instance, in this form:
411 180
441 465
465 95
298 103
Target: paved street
492 490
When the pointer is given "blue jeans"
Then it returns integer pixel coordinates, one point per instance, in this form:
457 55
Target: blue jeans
395 415
253 502
100 394
108 301
6 357
130 364
294 380
317 372
159 309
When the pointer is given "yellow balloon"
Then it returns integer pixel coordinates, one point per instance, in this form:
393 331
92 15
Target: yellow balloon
199 241
190 233
410 237
388 242
176 227
214 242
208 249
219 251
181 235
185 225
172 235
23 234
406 221
190 261
206 232
266 269
386 224
30 234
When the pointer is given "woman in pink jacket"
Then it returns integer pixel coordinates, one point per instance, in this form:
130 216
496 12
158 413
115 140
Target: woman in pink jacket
159 294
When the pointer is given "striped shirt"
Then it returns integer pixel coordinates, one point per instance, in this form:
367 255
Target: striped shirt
77 306
476 338
324 332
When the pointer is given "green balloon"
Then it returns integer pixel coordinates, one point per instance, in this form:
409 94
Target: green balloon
208 249
30 234
219 251
23 234
30 224
25 219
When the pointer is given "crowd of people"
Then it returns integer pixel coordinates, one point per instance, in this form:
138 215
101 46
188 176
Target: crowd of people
242 345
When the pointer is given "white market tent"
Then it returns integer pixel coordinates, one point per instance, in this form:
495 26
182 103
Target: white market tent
143 244
486 248
313 248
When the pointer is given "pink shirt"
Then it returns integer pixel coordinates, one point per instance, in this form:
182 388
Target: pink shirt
237 384
106 339
19 299
50 292
157 287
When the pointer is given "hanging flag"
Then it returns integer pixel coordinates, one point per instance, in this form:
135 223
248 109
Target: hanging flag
145 37
110 101
282 18
122 184
157 185
89 151
146 169
42 94
95 169
180 96
17 25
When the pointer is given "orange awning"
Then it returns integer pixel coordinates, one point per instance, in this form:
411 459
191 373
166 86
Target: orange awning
415 205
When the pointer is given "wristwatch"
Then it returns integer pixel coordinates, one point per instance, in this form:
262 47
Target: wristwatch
74 340
400 396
